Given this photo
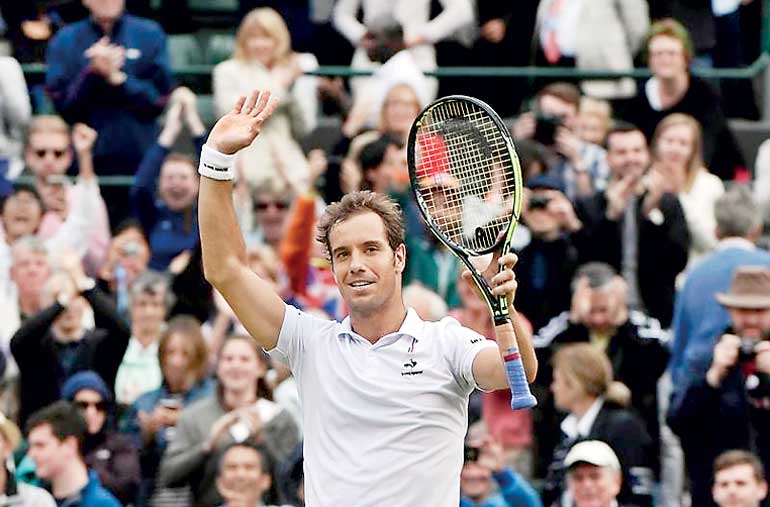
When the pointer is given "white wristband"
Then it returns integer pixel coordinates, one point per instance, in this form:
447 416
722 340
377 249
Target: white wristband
216 165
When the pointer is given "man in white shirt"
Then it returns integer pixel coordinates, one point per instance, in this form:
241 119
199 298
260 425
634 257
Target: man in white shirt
384 394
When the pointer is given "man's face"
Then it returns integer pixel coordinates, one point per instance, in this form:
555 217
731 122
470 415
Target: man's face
666 57
48 153
51 456
93 408
105 9
627 154
148 311
475 481
556 107
21 215
178 185
737 486
367 270
29 270
241 472
750 322
593 486
539 219
606 306
271 213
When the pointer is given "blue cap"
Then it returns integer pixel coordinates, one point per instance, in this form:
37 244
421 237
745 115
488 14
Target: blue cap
545 182
85 380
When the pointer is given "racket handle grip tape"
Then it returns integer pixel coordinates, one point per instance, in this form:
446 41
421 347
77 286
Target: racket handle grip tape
521 397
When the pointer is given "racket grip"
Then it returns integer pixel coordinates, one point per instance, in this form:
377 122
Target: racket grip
521 397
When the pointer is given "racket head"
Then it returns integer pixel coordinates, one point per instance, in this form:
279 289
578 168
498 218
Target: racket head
465 174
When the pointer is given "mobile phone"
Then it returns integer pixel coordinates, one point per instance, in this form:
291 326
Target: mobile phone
471 454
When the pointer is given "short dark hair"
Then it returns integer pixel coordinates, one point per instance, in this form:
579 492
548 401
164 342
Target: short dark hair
620 127
373 153
63 418
128 224
18 189
566 92
265 460
735 457
356 203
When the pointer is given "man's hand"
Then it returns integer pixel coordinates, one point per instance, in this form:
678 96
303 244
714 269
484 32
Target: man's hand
173 124
762 349
569 145
524 126
502 282
562 209
493 30
725 356
581 301
618 195
655 184
83 138
238 128
492 455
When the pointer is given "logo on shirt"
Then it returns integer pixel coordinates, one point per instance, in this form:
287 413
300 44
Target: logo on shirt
409 368
475 340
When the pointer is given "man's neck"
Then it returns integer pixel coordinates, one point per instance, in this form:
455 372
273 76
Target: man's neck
29 304
105 24
72 479
375 326
234 400
145 337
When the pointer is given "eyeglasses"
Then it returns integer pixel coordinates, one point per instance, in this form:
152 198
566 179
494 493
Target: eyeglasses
279 205
101 406
56 153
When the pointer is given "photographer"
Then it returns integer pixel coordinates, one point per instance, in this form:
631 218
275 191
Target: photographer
725 403
581 166
485 462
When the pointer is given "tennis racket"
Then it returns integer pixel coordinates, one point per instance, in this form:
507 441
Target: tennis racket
466 179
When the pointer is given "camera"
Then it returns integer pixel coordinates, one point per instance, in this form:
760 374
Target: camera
471 454
746 351
538 201
131 248
545 128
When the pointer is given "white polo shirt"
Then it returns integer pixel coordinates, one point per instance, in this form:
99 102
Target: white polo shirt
384 423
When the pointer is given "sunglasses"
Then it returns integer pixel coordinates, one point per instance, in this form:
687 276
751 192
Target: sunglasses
101 406
56 153
279 205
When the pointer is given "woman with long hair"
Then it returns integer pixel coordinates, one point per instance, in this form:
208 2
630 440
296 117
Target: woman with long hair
241 408
583 387
678 168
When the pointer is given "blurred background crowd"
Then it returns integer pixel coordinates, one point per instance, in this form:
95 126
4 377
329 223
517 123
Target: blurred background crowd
643 272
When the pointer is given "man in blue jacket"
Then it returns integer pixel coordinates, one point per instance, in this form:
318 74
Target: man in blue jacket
111 72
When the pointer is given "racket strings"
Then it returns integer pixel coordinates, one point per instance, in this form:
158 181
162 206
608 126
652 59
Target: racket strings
465 174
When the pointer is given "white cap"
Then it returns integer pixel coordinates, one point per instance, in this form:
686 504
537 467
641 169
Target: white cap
593 452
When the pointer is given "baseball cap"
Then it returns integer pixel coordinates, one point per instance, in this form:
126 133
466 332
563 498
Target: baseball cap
544 182
593 452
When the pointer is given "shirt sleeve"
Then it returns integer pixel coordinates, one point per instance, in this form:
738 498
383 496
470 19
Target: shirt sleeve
297 333
462 346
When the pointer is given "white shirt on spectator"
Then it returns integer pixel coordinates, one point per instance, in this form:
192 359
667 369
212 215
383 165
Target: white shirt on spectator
385 422
138 373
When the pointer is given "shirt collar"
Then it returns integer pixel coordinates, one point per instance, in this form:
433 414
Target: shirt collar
411 328
574 427
735 242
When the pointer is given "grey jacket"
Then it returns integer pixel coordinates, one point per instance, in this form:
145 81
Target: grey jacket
186 464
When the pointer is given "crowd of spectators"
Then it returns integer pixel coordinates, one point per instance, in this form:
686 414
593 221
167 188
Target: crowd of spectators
125 379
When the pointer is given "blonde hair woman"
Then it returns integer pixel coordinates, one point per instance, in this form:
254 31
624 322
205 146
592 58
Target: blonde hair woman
263 59
583 387
677 147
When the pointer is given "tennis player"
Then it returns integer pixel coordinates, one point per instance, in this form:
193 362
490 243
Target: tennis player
384 394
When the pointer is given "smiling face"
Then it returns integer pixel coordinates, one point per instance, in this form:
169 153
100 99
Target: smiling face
627 154
178 185
593 486
21 215
675 146
666 57
239 368
367 270
48 153
399 110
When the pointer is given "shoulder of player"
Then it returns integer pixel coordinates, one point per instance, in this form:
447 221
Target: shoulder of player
448 330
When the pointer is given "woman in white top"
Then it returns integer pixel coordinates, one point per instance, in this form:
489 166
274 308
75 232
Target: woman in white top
678 168
263 58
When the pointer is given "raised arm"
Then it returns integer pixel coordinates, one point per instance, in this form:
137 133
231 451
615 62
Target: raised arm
225 265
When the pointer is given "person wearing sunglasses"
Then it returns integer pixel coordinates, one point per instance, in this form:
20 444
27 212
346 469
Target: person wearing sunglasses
111 454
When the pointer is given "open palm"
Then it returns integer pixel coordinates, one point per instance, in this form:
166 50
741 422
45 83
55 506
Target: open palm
238 128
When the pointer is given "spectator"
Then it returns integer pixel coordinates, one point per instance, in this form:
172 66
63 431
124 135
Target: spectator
56 436
170 218
723 401
583 387
549 257
14 492
597 35
127 258
411 19
241 408
762 182
111 71
639 231
678 168
593 475
581 167
672 89
107 452
153 417
139 372
244 475
264 212
15 111
263 58
635 343
594 120
54 344
49 135
739 480
698 317
428 305
484 468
